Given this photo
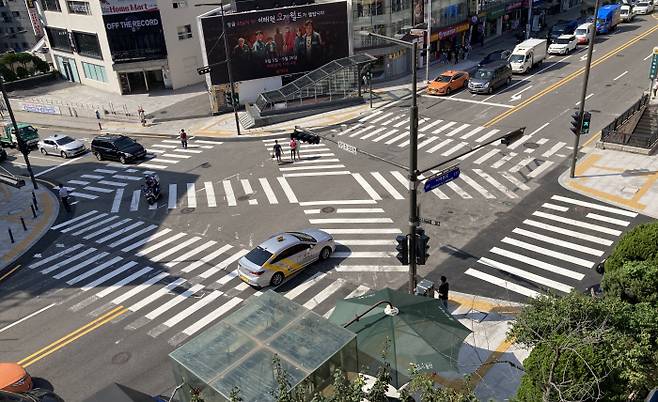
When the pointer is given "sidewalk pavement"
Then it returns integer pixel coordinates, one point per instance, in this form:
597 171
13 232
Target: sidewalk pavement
14 204
620 178
487 356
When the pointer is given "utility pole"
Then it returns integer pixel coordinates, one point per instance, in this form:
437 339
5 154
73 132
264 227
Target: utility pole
22 147
413 171
428 41
588 66
528 27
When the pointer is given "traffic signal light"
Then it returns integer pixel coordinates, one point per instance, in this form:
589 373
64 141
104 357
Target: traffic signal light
587 117
575 123
403 249
232 100
422 246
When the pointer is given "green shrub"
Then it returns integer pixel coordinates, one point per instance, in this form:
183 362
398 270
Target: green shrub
635 282
7 74
21 72
639 244
41 65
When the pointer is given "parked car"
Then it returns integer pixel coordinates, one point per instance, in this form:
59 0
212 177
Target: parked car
447 82
562 27
564 44
495 56
117 147
61 145
643 7
284 255
627 13
584 33
14 378
489 77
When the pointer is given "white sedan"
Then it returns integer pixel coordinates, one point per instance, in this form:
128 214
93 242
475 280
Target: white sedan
564 44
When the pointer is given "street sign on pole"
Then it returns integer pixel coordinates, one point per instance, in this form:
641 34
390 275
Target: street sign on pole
654 64
442 178
347 147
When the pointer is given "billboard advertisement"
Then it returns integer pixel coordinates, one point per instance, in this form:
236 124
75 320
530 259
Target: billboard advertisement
278 41
134 30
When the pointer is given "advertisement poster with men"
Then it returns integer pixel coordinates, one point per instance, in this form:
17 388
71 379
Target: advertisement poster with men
279 41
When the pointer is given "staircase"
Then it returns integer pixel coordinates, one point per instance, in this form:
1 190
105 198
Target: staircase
645 133
246 120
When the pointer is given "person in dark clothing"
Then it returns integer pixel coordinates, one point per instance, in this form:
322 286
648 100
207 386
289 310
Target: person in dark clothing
241 51
277 151
444 287
278 41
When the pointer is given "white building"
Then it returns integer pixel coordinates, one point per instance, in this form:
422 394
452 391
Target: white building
125 46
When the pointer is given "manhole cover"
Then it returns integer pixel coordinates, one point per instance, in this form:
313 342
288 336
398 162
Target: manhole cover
187 210
206 165
121 358
328 210
532 145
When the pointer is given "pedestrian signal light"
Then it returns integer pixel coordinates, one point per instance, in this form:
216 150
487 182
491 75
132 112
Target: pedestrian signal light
575 123
402 249
587 117
422 247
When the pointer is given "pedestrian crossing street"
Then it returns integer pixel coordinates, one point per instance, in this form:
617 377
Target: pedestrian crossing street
553 249
172 284
450 138
169 152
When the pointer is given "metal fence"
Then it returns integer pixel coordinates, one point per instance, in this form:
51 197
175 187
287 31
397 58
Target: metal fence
620 131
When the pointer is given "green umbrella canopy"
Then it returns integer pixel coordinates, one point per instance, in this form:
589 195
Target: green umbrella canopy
422 332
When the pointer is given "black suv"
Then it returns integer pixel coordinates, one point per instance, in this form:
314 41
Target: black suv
562 28
118 147
495 56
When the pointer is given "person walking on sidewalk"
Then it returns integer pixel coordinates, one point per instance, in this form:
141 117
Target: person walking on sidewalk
444 287
63 193
293 148
183 138
277 151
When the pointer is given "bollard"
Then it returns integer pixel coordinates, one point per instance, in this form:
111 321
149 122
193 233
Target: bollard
11 236
34 213
23 223
34 201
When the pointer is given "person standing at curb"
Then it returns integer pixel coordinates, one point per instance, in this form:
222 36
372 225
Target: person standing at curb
63 193
293 148
277 151
444 287
183 138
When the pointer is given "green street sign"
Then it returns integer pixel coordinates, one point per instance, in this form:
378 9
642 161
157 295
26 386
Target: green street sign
654 64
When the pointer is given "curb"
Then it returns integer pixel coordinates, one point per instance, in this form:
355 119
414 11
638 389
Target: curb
7 269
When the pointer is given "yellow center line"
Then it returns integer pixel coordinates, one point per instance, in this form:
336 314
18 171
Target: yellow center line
60 343
568 78
11 271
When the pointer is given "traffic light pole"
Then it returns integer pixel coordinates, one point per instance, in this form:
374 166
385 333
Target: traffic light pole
21 145
413 171
583 95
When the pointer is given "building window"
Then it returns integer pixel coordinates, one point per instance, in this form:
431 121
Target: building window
184 32
94 72
51 5
367 8
180 4
78 7
59 39
87 45
399 5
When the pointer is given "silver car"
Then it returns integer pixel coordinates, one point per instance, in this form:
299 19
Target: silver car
284 255
61 145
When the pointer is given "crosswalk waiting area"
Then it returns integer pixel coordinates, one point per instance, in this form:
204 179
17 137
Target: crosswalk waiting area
553 249
171 283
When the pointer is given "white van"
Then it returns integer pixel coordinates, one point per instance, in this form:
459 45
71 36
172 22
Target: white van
584 33
627 13
527 54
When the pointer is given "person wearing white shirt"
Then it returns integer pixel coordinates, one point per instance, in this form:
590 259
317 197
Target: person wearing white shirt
64 196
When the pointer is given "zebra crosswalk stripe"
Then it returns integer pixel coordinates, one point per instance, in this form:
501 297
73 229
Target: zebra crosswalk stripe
191 195
550 253
397 138
159 244
324 294
574 222
108 276
206 259
567 232
483 191
81 265
214 315
472 132
93 271
107 229
117 285
228 191
495 183
173 302
173 191
210 194
592 205
204 301
128 237
444 127
156 295
525 274
385 135
558 242
428 126
267 189
75 257
439 145
174 249
366 186
137 289
537 263
385 183
186 256
502 283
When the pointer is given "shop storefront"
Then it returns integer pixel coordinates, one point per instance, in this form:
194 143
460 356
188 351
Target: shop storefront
450 37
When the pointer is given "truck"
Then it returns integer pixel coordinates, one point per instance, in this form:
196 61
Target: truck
608 18
26 132
528 54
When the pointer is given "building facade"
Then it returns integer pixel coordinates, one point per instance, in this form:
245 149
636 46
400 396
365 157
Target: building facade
125 46
18 16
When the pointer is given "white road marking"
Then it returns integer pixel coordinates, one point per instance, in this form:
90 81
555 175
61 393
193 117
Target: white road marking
60 264
98 189
27 317
152 166
84 223
366 186
54 256
208 142
587 97
173 192
502 283
359 291
558 242
70 221
495 183
474 101
526 137
126 230
207 299
373 133
248 191
427 142
315 167
324 294
116 203
175 156
525 274
139 242
486 156
107 228
472 132
555 254
299 289
592 205
487 135
347 130
439 145
313 174
267 189
134 202
186 256
620 75
454 187
191 195
574 222
113 183
305 162
164 146
287 190
476 186
537 263
518 183
544 166
188 151
126 177
228 191
336 202
94 226
206 259
174 301
162 160
406 142
224 264
385 183
370 268
567 232
363 231
160 244
144 285
500 162
111 288
92 176
401 123
365 242
361 131
362 254
210 194
156 295
397 138
382 117
78 182
349 220
555 207
428 126
386 134
554 149
444 127
108 171
608 219
458 130
454 149
223 309
81 265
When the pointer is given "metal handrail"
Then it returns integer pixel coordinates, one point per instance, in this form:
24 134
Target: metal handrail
610 133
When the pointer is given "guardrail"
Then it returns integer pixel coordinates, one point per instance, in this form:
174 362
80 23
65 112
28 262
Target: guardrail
617 132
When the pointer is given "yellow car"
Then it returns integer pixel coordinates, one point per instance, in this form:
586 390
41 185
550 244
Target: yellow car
448 82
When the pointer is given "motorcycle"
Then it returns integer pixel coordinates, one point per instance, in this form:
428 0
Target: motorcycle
151 189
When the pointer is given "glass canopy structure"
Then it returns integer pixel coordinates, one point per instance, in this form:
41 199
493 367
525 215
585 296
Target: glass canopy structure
239 350
336 80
